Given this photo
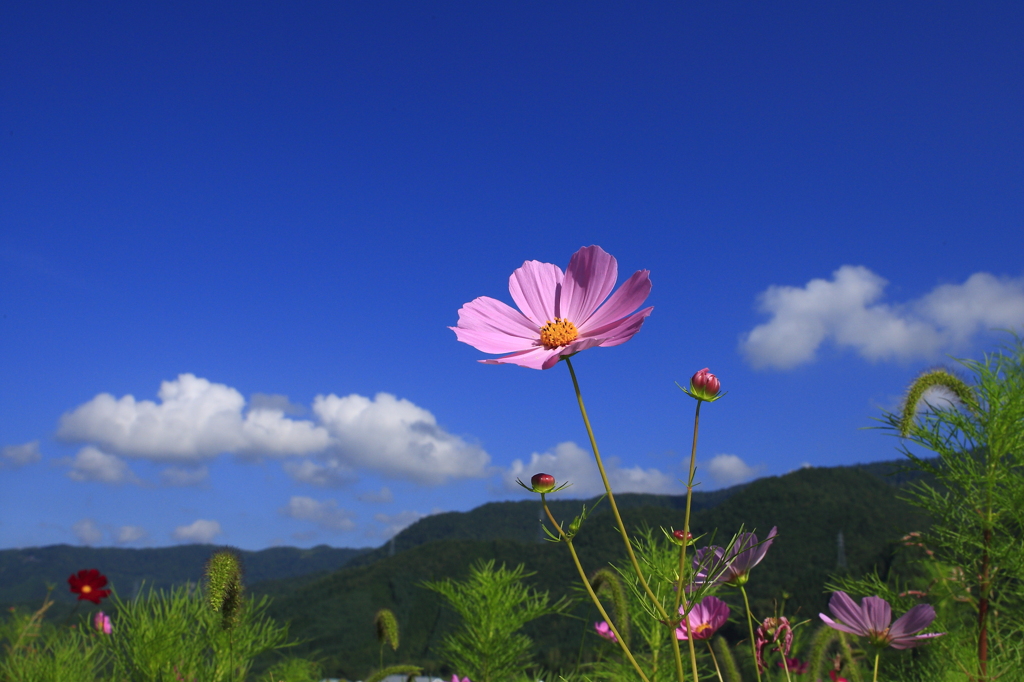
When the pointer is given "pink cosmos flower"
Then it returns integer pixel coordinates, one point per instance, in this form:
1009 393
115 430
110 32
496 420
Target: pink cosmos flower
101 622
605 631
455 678
562 314
705 618
872 618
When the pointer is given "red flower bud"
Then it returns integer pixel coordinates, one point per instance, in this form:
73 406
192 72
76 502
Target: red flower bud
543 483
680 535
704 385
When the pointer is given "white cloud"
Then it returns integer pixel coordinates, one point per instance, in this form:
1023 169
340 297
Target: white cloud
726 470
17 456
324 514
91 464
200 531
128 534
397 438
569 462
181 477
331 474
846 310
195 419
87 532
383 497
395 523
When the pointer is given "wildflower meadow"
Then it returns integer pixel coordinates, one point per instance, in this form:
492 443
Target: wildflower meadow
675 605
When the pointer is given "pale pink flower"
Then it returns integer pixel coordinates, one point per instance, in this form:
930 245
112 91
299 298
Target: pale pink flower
705 618
872 618
562 314
605 630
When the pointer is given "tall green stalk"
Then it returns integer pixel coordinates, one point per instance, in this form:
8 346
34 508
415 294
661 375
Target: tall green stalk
622 527
590 590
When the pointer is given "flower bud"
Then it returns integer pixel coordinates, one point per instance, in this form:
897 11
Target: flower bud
704 385
682 535
543 483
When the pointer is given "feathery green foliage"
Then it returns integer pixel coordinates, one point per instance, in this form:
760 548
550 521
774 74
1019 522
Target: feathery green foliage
494 605
977 500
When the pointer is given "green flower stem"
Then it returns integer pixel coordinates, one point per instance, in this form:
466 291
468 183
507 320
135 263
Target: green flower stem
618 518
713 659
750 624
686 535
590 590
877 654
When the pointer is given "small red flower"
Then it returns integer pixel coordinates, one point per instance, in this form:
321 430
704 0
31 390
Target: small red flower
682 535
88 585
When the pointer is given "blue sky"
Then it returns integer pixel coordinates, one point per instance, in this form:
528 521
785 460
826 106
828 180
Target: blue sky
233 237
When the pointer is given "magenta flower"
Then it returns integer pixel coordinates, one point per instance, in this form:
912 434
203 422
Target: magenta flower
455 678
562 314
605 630
101 622
705 618
713 565
872 619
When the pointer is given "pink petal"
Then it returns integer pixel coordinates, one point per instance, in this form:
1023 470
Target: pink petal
848 611
620 331
589 279
878 613
535 358
494 327
535 288
906 642
837 625
914 620
630 296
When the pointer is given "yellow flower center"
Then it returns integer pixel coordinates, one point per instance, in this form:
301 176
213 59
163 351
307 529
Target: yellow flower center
561 332
86 589
701 629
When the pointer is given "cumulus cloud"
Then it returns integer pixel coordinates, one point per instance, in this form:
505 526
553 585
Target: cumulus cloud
847 311
324 514
726 470
395 523
195 419
91 464
569 462
382 497
128 534
17 456
87 532
201 531
397 438
181 477
331 474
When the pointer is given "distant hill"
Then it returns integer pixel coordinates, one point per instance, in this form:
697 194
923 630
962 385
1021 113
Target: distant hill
333 614
24 573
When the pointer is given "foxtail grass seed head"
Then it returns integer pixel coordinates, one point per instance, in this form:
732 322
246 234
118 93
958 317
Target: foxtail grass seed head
386 626
224 587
